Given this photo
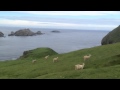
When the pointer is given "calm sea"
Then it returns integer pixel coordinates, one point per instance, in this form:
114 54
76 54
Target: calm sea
11 47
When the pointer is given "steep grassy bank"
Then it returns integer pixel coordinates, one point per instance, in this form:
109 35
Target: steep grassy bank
104 63
112 37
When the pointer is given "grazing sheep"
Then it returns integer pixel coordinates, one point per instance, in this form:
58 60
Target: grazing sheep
46 56
87 57
55 59
33 61
79 66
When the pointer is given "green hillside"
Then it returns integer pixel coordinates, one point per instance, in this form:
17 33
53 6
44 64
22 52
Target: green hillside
112 37
104 63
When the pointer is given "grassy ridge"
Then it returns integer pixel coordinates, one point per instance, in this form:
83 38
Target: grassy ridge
104 63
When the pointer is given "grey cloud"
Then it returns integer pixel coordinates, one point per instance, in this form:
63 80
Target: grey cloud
66 20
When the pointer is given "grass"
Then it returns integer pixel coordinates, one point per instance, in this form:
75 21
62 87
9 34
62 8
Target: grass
103 64
112 37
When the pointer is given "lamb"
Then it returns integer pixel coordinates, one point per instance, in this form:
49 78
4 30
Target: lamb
87 57
46 56
79 66
55 59
33 61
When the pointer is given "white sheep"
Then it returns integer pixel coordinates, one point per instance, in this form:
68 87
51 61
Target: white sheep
55 59
87 57
33 61
79 66
46 56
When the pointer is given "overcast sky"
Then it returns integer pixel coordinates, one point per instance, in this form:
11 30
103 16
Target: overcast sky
83 20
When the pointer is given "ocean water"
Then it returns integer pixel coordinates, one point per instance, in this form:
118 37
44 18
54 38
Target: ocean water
12 47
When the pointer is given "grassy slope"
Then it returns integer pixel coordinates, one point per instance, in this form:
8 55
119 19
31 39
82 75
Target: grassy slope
112 37
104 63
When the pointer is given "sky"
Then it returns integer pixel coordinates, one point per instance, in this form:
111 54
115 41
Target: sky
81 20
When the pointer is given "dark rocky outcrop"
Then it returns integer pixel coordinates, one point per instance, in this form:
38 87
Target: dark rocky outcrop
112 37
11 34
24 32
39 33
1 34
56 31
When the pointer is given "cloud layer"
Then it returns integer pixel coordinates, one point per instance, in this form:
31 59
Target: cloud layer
93 20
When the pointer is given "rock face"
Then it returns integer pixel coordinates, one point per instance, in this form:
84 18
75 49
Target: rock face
1 34
24 32
112 37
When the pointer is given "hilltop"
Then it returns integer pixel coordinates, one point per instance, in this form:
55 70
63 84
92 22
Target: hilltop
104 63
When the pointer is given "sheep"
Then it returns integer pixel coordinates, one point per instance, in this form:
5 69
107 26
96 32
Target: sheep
33 61
46 56
87 57
79 66
55 59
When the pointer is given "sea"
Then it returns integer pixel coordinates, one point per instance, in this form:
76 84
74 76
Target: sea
68 40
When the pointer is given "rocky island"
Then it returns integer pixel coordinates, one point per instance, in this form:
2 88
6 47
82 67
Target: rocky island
55 31
1 34
24 32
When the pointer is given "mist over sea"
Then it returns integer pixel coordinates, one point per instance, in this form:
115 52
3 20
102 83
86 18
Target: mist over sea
12 47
